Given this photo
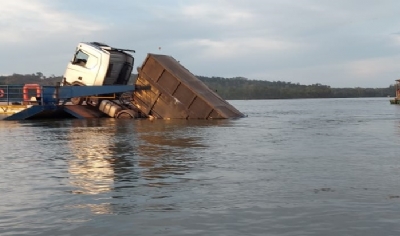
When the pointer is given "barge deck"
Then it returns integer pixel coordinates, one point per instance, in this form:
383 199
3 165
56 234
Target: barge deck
46 102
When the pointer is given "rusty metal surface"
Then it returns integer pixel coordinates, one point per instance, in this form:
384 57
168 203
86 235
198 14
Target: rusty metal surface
83 111
176 93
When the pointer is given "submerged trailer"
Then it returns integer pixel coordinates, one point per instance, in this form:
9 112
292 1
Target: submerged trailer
176 93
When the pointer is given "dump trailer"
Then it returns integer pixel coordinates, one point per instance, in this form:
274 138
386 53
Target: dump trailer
176 93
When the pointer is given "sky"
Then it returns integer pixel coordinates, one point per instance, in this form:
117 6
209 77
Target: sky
341 43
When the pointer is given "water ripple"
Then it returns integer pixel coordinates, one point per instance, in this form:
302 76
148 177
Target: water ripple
293 167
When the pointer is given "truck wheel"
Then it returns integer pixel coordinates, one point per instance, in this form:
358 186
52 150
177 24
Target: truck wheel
125 114
77 100
93 101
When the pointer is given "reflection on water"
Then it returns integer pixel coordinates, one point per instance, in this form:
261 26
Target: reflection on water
91 170
110 161
111 158
166 147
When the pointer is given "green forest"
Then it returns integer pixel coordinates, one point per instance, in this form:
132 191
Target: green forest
240 88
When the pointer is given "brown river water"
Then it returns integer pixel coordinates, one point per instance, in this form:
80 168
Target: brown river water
292 167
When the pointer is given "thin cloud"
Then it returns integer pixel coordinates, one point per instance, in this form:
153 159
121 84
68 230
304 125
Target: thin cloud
33 19
228 48
217 12
373 68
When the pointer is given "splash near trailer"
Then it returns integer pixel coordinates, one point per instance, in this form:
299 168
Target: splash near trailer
396 100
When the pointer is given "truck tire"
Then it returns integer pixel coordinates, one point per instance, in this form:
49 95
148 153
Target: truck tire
93 101
77 100
126 114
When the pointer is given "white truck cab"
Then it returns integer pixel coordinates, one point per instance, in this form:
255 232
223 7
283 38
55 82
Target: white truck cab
98 64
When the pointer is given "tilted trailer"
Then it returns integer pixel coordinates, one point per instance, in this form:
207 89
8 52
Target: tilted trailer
175 93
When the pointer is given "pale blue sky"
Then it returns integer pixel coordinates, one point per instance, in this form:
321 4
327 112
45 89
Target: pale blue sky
341 43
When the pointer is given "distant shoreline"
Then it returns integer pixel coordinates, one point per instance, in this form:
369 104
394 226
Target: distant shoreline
240 88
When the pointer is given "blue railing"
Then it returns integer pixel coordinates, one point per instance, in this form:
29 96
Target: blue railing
20 94
52 95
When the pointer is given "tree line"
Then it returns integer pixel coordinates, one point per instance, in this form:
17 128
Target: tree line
36 78
240 88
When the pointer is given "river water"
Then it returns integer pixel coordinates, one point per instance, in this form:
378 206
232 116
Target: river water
292 167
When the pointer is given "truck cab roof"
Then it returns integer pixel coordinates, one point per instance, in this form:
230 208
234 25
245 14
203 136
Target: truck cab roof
103 46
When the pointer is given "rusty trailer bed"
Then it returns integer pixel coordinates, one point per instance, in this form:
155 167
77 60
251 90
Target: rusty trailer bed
176 93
